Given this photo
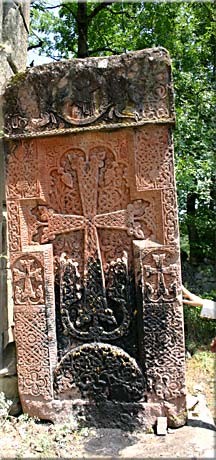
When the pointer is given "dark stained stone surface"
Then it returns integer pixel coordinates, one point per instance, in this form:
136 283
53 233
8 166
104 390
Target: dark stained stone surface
132 88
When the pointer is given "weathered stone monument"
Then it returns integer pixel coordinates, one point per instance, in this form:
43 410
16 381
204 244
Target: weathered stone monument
14 20
93 240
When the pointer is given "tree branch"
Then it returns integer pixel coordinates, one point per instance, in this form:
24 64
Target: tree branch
103 48
53 7
18 4
43 8
122 12
70 11
98 8
31 47
62 5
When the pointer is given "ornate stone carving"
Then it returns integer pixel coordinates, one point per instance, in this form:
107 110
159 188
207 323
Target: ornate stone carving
164 350
112 90
33 352
86 307
171 234
13 226
153 158
100 372
22 176
159 290
158 287
28 281
92 222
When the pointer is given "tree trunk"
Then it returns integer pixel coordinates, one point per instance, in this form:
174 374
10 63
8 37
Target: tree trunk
82 25
192 230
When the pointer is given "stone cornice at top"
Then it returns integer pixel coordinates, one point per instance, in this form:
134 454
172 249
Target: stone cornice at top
93 93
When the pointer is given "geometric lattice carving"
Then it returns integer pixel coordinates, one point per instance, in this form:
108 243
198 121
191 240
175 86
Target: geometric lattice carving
33 352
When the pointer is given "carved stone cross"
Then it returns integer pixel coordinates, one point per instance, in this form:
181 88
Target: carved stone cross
87 169
159 271
28 279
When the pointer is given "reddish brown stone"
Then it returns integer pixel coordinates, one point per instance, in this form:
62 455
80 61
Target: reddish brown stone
93 237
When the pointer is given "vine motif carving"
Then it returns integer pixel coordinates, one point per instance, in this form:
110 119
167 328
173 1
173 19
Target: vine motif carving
86 308
133 91
13 226
32 352
100 371
28 281
170 216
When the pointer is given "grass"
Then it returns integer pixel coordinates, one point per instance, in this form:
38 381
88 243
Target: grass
200 372
26 437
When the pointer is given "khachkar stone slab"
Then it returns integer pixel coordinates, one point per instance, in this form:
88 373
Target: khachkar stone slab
93 239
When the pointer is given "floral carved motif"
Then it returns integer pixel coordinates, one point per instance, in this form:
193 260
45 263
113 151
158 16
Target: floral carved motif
86 307
28 281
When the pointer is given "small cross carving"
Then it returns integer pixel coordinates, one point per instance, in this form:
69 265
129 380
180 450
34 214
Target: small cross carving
161 290
28 282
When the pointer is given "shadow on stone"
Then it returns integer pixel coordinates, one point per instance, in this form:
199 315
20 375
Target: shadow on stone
109 442
201 424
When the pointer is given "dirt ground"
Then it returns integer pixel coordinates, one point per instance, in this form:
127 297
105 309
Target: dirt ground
24 437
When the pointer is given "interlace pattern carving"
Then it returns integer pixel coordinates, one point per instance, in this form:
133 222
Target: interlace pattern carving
33 352
23 172
164 350
153 158
14 239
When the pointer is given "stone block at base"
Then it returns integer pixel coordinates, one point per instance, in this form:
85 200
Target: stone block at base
106 414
